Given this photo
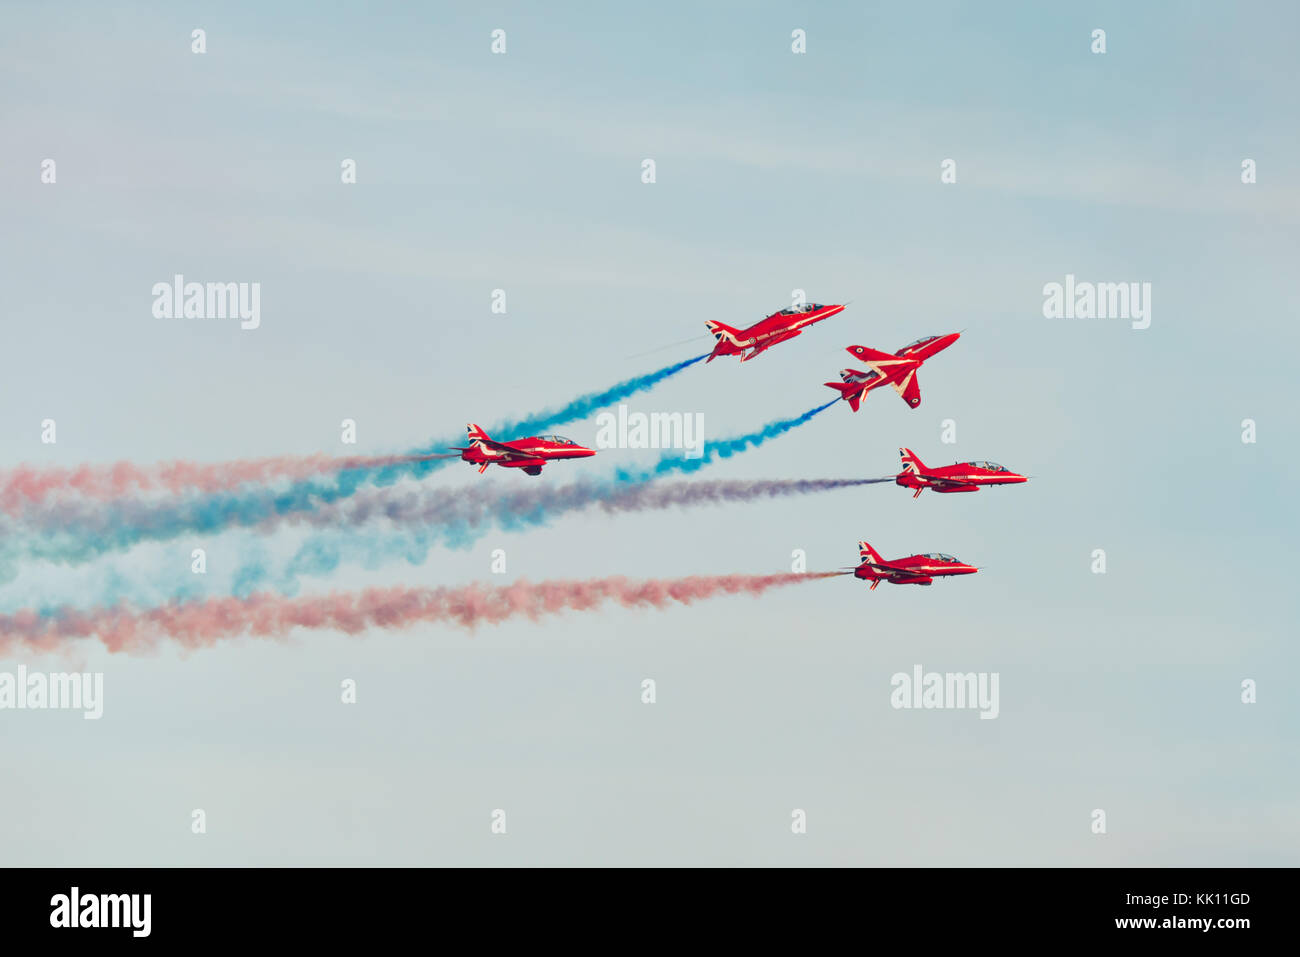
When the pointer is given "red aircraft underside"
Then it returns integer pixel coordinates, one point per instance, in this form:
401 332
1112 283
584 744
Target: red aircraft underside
912 570
959 477
778 327
529 454
887 368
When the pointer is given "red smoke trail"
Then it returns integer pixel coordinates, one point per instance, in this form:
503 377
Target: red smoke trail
26 485
200 624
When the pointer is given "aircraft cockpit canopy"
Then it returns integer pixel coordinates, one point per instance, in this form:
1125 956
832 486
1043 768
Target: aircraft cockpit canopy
558 440
919 342
990 466
941 557
807 307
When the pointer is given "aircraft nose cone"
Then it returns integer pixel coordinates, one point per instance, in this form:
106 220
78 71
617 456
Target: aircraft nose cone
968 569
584 452
1019 478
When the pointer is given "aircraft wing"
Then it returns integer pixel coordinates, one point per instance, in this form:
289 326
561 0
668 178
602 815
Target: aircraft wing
891 569
769 343
909 388
940 480
507 450
873 357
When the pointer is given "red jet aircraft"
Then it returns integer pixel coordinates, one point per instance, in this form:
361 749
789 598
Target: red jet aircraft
529 454
778 327
959 477
888 369
912 570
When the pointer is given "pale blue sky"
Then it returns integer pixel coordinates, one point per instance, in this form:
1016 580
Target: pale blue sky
775 172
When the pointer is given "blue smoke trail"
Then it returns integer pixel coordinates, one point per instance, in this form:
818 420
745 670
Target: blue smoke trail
721 449
75 532
460 524
416 521
458 518
584 406
579 408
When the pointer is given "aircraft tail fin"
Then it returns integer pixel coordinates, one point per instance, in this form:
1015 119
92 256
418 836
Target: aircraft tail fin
720 330
869 554
910 462
725 337
476 434
850 392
